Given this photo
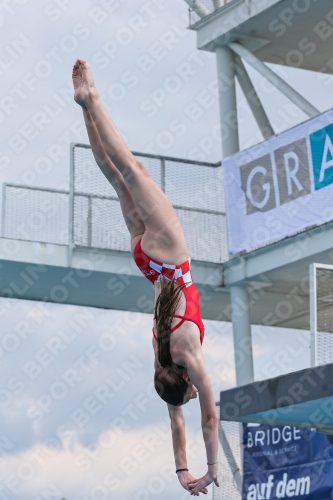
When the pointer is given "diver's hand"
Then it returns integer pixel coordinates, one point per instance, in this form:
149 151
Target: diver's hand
200 484
185 478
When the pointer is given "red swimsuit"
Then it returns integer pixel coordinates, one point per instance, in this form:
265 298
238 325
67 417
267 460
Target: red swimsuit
154 270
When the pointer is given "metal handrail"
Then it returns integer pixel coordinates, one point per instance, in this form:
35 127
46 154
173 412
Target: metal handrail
157 157
178 207
35 188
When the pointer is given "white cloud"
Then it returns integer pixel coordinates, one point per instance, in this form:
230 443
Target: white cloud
134 463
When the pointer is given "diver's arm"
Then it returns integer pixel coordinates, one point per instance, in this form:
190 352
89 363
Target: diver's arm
178 436
177 421
179 448
209 420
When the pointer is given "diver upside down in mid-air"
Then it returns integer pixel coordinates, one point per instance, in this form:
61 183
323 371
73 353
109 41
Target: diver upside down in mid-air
159 249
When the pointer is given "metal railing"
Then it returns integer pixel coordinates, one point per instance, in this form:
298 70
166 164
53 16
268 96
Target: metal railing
89 214
210 6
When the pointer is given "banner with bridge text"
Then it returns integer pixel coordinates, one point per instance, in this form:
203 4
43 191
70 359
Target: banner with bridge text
281 186
286 462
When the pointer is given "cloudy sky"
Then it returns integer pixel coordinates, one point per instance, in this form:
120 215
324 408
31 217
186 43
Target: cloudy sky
79 418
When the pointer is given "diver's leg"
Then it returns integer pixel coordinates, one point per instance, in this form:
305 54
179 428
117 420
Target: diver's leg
163 238
131 216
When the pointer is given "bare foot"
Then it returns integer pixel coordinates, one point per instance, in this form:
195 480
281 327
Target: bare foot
83 82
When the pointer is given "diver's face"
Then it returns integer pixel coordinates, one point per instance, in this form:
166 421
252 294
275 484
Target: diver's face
192 391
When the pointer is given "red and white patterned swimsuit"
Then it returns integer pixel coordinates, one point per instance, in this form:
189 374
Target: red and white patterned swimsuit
181 273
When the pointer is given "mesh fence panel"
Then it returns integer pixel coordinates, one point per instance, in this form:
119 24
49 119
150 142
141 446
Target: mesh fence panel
204 191
108 227
87 178
205 235
230 462
324 281
187 185
80 227
36 215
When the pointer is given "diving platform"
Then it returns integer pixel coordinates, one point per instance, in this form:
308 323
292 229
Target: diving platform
277 282
92 277
303 399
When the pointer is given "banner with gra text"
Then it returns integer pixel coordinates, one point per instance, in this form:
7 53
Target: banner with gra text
281 186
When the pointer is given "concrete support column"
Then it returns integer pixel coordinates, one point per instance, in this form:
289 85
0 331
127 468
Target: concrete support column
227 101
242 334
230 145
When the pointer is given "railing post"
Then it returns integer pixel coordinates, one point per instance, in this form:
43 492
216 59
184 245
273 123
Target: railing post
313 314
163 175
89 222
71 205
3 215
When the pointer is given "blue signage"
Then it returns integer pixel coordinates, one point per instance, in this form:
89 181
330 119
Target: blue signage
287 462
322 156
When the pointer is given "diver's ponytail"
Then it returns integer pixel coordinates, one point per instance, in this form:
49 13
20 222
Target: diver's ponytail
169 378
165 309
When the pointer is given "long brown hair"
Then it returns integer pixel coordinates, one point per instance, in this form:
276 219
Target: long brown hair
169 378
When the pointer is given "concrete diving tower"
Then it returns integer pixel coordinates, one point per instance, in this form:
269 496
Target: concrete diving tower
243 33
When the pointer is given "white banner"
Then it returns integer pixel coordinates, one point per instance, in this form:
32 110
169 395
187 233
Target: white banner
281 186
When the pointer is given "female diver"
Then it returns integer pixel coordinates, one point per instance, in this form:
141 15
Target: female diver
159 249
